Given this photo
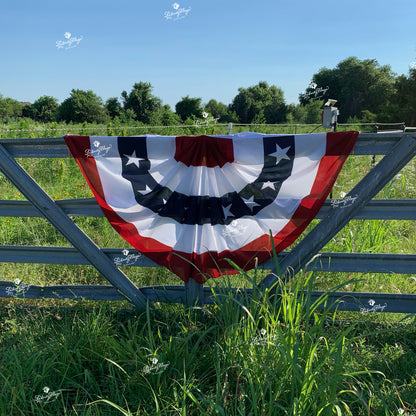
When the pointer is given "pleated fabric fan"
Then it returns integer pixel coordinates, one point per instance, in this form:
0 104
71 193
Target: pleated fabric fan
191 202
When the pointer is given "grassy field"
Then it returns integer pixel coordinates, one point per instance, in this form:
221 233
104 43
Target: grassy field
271 358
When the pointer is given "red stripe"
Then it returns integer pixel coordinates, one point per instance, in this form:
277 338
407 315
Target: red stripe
204 151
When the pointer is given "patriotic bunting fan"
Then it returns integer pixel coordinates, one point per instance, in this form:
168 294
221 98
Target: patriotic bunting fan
191 202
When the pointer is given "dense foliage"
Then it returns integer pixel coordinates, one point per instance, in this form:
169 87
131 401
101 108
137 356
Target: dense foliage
365 91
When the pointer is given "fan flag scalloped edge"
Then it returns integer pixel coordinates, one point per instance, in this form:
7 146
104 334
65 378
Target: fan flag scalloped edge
189 203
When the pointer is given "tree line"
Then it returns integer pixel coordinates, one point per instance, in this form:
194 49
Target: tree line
365 91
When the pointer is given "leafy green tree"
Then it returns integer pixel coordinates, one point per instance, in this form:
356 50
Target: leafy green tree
45 109
404 107
189 107
164 116
82 106
9 108
358 86
113 107
217 109
28 111
220 111
251 101
141 101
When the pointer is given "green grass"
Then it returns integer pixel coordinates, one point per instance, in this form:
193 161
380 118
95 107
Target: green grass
271 358
278 356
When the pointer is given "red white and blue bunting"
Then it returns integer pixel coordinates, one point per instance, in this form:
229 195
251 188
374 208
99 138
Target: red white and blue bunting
191 202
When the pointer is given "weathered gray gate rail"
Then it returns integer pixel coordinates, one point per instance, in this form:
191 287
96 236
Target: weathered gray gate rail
399 149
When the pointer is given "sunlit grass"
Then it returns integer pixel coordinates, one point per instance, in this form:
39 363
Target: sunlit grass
275 356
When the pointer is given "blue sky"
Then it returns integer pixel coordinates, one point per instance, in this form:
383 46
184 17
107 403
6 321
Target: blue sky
215 48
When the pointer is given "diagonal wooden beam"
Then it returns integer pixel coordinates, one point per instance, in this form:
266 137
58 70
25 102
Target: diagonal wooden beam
340 215
54 214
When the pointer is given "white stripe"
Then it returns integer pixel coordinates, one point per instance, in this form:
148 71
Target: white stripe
217 238
202 180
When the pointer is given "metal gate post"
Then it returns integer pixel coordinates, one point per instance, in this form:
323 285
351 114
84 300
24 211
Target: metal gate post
194 293
339 216
54 214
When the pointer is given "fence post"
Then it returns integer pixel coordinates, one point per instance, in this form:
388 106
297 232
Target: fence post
194 293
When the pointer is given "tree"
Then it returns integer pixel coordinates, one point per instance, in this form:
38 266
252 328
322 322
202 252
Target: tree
220 111
404 106
113 107
358 86
141 101
45 109
309 113
164 116
189 107
82 106
9 108
250 102
217 109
